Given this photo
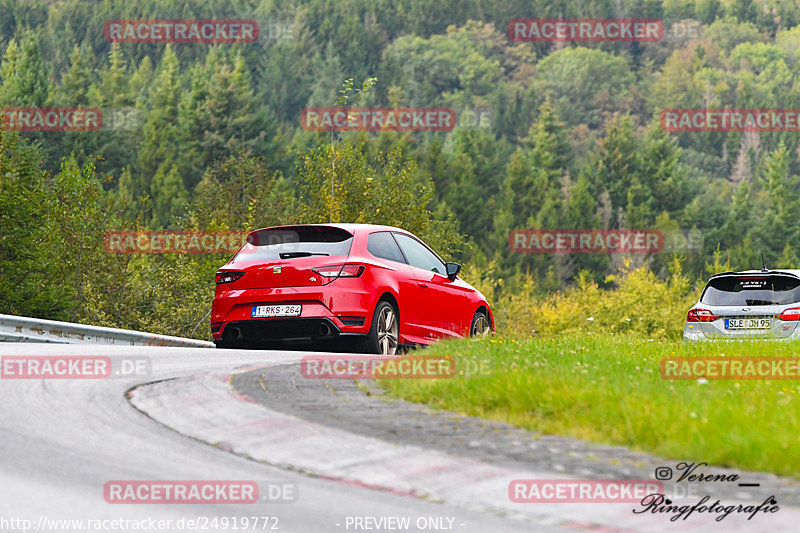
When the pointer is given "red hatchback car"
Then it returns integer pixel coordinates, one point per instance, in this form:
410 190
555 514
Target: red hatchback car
326 283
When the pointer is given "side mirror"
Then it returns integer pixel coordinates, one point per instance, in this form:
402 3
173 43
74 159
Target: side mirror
452 270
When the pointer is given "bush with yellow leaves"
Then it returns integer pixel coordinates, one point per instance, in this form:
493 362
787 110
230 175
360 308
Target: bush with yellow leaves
641 304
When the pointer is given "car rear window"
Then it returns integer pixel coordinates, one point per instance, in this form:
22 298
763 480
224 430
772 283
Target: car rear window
287 243
382 244
752 290
418 254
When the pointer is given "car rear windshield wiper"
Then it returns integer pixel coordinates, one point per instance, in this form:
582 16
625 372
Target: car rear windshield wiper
289 255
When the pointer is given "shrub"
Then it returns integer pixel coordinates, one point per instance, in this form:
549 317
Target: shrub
641 304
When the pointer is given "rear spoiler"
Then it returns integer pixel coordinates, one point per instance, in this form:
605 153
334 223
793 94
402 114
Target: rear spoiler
754 273
276 235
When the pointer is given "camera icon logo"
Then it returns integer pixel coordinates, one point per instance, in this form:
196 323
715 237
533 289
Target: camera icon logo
663 473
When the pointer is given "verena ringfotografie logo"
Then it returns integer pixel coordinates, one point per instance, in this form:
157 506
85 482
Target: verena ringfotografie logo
768 368
51 118
173 242
582 490
585 30
367 367
585 241
180 31
691 476
730 120
659 504
378 119
72 367
198 491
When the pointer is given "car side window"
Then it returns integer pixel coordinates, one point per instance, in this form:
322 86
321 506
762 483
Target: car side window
382 245
418 255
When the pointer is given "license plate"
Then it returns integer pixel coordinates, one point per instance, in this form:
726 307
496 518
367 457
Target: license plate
747 323
267 311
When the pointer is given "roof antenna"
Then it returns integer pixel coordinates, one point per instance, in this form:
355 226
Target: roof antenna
763 264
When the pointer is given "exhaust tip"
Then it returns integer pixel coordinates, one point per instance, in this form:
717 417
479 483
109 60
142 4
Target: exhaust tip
236 333
324 330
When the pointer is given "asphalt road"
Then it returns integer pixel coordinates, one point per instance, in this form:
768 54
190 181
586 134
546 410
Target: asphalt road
62 441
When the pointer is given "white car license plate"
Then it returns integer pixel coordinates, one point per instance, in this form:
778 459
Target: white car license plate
266 311
747 323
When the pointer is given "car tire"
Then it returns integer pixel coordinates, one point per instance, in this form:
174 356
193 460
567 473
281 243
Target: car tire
481 325
383 337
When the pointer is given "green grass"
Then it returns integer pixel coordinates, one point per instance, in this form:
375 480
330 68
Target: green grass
609 389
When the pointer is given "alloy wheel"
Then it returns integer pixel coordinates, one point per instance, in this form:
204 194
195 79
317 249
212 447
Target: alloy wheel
388 331
480 326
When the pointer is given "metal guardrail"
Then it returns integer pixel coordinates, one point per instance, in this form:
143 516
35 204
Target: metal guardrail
24 329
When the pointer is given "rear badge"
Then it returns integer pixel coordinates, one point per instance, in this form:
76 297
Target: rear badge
276 270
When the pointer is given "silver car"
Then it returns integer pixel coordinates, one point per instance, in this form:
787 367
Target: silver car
752 304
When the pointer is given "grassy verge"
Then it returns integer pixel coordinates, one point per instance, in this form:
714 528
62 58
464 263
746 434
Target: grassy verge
609 389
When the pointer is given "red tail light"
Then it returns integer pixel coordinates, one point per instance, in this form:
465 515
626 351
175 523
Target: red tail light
700 315
340 271
792 314
228 276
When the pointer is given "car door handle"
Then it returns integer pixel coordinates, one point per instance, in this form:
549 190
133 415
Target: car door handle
423 285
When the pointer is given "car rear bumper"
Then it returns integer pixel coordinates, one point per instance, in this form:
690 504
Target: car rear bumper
279 331
694 332
325 314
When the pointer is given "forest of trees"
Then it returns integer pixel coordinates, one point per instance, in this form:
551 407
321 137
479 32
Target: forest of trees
214 140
